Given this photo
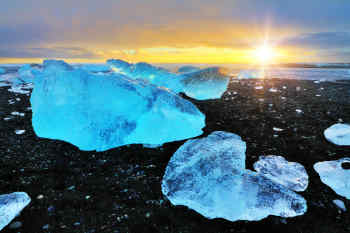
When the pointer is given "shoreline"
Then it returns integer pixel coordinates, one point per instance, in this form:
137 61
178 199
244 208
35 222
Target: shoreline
119 190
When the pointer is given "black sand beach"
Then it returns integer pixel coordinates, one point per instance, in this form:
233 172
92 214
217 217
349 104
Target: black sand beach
119 190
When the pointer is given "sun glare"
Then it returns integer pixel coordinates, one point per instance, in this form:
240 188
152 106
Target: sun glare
264 54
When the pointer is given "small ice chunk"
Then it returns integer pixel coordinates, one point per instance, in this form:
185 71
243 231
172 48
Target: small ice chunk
273 90
336 174
299 111
18 89
338 134
20 131
277 129
289 174
152 146
17 114
7 118
11 101
11 206
284 87
340 204
208 175
259 87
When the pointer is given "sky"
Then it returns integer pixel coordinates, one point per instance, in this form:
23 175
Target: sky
174 31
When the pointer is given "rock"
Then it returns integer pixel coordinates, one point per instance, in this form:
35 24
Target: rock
11 206
336 175
100 112
289 174
338 134
208 175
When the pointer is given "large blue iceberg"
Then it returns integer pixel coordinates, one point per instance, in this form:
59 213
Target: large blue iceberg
103 111
203 84
11 206
208 175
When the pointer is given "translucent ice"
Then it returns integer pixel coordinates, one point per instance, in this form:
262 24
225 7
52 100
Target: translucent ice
95 67
336 175
208 175
11 206
289 174
187 69
207 83
99 112
338 134
28 72
250 74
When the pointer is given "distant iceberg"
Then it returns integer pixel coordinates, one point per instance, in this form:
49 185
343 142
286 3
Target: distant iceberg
203 84
187 69
100 112
2 71
208 175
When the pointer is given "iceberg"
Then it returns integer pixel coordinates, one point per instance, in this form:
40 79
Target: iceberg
203 84
336 175
95 67
11 206
187 69
104 111
251 74
338 134
289 174
28 72
208 175
2 71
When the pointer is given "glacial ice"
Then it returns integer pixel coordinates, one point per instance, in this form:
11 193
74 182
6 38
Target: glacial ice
250 74
340 204
95 67
335 176
2 71
100 112
338 134
11 206
289 174
203 84
28 72
187 69
208 175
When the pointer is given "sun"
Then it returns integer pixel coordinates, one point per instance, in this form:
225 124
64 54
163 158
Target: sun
264 54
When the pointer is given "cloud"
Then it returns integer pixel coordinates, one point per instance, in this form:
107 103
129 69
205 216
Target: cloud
54 52
321 40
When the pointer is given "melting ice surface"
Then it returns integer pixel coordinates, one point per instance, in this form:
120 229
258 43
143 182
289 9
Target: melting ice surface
335 176
11 206
203 84
208 175
289 174
338 134
103 111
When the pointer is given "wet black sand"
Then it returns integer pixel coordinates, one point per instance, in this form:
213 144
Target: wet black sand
119 190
